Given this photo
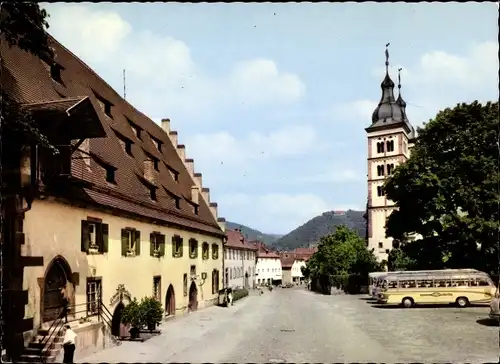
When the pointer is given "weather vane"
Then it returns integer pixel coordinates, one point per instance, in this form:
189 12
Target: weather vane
387 56
399 77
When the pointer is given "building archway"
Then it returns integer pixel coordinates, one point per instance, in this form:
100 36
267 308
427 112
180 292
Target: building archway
57 275
193 297
170 301
117 319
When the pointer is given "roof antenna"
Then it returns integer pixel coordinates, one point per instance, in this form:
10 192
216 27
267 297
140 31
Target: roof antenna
124 86
387 58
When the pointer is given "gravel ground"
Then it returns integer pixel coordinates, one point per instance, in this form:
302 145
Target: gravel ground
295 325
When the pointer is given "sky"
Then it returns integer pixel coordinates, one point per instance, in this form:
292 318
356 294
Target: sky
271 100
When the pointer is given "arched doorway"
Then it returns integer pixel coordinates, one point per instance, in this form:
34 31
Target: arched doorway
170 301
57 275
246 280
117 319
193 297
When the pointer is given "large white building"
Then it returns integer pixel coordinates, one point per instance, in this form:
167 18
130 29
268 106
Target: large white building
268 265
390 139
297 269
239 261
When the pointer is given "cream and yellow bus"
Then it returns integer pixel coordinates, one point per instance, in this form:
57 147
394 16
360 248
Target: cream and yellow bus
377 278
461 286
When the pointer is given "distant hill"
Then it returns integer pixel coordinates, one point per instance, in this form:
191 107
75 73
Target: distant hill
324 224
252 234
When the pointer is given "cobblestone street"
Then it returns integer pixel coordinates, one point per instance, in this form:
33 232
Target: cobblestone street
295 325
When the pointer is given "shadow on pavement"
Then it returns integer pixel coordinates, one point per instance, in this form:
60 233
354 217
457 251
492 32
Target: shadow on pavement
488 322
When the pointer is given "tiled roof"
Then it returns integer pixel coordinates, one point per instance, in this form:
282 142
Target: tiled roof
236 240
263 251
28 80
287 259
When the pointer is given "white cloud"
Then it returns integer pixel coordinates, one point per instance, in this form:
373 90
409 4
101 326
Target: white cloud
359 110
276 211
222 147
161 73
259 80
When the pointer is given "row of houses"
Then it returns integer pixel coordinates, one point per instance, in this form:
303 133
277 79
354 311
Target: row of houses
251 263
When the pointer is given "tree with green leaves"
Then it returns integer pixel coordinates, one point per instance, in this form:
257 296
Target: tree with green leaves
23 24
447 192
342 253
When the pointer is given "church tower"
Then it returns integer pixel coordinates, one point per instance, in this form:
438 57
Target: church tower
390 138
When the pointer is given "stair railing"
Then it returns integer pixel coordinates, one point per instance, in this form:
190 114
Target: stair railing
54 328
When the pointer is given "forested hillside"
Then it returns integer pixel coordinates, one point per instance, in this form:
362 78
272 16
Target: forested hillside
252 234
324 224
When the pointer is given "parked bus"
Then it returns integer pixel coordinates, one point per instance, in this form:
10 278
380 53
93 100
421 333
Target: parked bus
373 279
378 280
460 286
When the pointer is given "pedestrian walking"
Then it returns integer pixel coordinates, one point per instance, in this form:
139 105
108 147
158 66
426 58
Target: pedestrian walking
69 344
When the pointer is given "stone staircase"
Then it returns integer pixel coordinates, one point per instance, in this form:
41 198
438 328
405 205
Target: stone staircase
38 352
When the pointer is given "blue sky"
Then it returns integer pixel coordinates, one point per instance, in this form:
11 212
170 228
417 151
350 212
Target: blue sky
272 100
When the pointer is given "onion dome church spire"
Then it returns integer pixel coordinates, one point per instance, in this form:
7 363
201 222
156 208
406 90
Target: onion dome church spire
389 112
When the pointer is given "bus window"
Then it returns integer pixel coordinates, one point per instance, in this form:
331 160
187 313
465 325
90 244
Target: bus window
460 282
393 284
483 282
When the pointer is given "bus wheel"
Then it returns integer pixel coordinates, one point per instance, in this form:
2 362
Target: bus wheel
462 302
407 302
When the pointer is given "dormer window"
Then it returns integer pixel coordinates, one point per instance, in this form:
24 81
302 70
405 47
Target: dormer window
156 164
173 173
152 193
126 143
128 147
105 105
157 143
110 174
176 199
137 130
195 209
55 72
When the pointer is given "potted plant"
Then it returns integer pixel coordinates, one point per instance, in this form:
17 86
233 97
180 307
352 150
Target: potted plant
152 312
156 253
132 315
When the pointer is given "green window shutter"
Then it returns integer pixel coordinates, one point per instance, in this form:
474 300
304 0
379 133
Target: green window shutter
85 236
137 236
182 247
105 238
125 237
162 245
151 245
173 245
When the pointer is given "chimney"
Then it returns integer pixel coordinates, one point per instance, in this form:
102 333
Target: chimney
190 165
173 137
149 171
165 125
181 150
213 208
205 192
222 223
197 179
195 194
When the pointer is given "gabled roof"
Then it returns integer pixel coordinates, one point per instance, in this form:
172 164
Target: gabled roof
264 251
27 79
236 240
